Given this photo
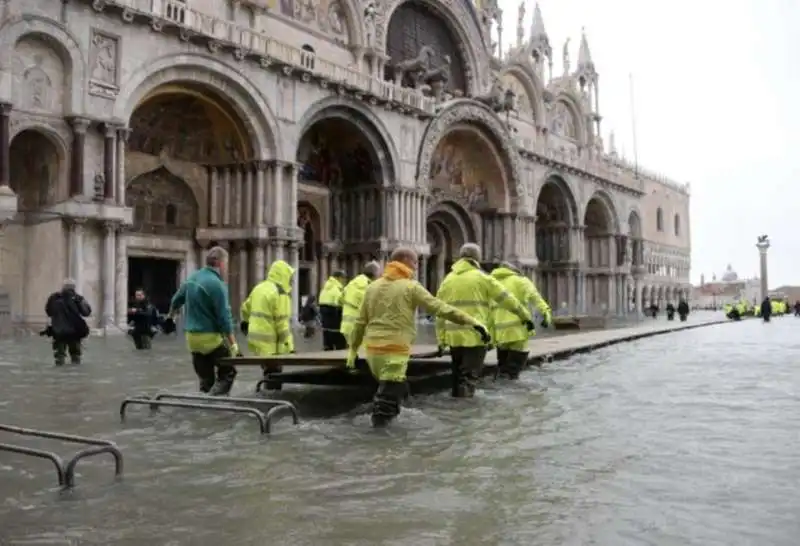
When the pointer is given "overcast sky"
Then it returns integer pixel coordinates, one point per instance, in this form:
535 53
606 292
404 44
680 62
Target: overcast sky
713 86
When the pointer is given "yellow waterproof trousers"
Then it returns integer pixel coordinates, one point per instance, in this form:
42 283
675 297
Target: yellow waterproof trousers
388 367
521 346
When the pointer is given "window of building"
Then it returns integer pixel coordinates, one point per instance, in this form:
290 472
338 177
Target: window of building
677 225
308 60
660 220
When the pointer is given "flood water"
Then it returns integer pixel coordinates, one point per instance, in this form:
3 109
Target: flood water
683 439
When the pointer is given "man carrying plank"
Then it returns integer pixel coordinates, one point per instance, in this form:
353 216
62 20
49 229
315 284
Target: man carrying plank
209 324
387 326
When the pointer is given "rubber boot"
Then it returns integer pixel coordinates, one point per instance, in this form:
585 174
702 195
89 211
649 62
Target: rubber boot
206 385
386 404
224 383
516 363
502 361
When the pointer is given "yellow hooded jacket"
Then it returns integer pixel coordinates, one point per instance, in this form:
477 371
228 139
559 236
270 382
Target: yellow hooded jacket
471 290
505 326
331 293
386 323
268 309
352 297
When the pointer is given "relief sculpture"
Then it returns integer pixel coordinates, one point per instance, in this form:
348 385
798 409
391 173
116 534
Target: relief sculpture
104 54
38 85
327 16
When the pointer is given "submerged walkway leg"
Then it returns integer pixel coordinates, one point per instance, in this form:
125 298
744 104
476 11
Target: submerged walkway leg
41 454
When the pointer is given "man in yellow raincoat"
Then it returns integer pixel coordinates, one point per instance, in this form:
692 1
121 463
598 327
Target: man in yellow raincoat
353 295
267 313
387 326
509 333
330 312
471 290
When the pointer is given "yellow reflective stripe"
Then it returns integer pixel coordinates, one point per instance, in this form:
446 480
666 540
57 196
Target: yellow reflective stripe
256 336
467 303
260 314
450 327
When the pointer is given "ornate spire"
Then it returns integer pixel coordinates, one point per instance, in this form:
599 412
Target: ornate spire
584 55
520 22
538 33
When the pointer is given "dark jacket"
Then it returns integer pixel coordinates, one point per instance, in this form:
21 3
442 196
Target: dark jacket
766 307
144 319
67 311
683 307
309 311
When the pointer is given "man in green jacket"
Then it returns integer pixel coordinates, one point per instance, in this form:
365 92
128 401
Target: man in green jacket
209 325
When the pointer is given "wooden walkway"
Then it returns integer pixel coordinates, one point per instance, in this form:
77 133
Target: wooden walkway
328 367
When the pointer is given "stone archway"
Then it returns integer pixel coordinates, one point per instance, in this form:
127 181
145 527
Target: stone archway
448 227
345 169
190 140
37 173
635 236
600 257
310 276
556 213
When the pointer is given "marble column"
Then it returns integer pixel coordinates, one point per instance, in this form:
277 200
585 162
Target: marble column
109 273
260 194
294 261
76 179
238 195
213 196
292 205
226 180
109 148
122 139
279 201
5 144
242 255
259 272
121 278
250 213
76 234
639 293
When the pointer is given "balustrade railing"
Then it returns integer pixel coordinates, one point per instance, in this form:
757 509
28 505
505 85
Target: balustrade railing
259 42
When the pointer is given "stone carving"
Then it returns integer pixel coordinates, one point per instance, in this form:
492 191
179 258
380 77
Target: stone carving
465 111
565 56
372 19
39 87
412 70
460 13
523 101
39 76
104 56
328 16
561 121
494 98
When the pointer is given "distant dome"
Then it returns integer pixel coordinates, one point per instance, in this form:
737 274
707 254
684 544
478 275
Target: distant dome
730 275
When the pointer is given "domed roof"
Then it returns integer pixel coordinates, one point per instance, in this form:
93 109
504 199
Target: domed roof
730 275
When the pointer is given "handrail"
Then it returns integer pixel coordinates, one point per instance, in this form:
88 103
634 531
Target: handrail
262 420
55 436
220 400
69 473
42 454
273 412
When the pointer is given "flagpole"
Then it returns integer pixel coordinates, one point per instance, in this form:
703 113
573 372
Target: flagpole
633 128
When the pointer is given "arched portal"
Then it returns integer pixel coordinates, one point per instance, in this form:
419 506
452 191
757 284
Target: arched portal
308 219
345 168
189 165
36 171
556 212
448 228
635 237
32 254
423 50
599 255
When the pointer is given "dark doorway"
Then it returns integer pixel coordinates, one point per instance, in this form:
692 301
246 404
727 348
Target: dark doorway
304 285
157 276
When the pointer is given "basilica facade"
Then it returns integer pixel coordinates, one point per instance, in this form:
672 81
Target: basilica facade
136 134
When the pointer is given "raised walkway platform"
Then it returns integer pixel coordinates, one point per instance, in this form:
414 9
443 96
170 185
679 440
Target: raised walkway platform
327 368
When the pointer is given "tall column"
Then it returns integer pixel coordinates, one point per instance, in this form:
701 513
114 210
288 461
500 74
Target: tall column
213 196
109 148
5 146
243 257
294 257
259 262
260 195
76 179
238 195
250 213
109 273
122 139
269 192
121 278
76 227
227 180
763 247
278 202
639 294
292 205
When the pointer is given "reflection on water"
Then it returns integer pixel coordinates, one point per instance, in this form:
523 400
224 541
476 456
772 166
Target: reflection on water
638 443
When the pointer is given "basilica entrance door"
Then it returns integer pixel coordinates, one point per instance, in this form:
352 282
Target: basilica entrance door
158 277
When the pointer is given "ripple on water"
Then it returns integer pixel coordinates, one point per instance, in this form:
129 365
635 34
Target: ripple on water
682 439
